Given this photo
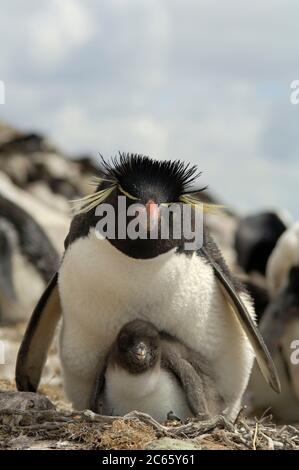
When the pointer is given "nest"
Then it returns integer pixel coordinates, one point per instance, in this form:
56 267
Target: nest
38 420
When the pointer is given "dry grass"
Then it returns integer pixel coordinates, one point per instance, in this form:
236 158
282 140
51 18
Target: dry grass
86 430
120 434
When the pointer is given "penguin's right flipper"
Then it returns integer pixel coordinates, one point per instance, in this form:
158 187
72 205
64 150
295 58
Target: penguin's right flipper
6 271
39 334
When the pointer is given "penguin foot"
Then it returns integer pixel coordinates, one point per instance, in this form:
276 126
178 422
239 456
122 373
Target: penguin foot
218 421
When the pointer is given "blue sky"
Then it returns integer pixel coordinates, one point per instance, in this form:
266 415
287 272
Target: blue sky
201 80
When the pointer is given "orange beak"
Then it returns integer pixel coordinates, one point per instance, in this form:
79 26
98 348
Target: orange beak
153 214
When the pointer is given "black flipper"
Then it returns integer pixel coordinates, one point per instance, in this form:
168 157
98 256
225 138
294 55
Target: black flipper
261 352
39 334
6 275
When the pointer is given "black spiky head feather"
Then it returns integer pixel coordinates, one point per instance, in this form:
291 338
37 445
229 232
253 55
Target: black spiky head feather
141 178
144 178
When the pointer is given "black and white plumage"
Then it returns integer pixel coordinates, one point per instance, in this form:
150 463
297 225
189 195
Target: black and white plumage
153 373
26 256
36 166
32 239
255 239
280 328
103 283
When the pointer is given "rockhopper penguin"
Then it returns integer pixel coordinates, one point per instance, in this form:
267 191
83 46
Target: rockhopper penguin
280 328
104 283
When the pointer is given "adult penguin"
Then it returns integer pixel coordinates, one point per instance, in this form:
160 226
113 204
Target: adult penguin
103 283
27 261
280 328
256 237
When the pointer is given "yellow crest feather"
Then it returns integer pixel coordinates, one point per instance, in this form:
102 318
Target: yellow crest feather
85 204
207 207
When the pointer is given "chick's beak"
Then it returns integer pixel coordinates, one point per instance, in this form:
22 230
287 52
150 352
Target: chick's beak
141 352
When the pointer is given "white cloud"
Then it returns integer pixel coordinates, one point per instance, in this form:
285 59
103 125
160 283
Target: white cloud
57 28
201 80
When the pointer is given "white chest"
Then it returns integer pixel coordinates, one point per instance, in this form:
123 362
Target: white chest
156 393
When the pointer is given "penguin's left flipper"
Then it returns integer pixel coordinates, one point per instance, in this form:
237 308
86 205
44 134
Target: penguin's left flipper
39 334
190 380
236 304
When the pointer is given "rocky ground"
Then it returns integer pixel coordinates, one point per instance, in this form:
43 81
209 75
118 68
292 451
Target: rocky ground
46 421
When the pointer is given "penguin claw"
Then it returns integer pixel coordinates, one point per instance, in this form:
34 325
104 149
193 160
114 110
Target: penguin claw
225 423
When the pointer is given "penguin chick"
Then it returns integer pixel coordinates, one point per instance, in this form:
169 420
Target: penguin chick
150 372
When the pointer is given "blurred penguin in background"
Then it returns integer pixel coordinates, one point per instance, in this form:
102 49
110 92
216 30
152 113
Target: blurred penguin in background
27 261
255 239
280 328
54 223
36 166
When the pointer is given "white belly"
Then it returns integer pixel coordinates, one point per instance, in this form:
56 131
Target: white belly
102 289
156 393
